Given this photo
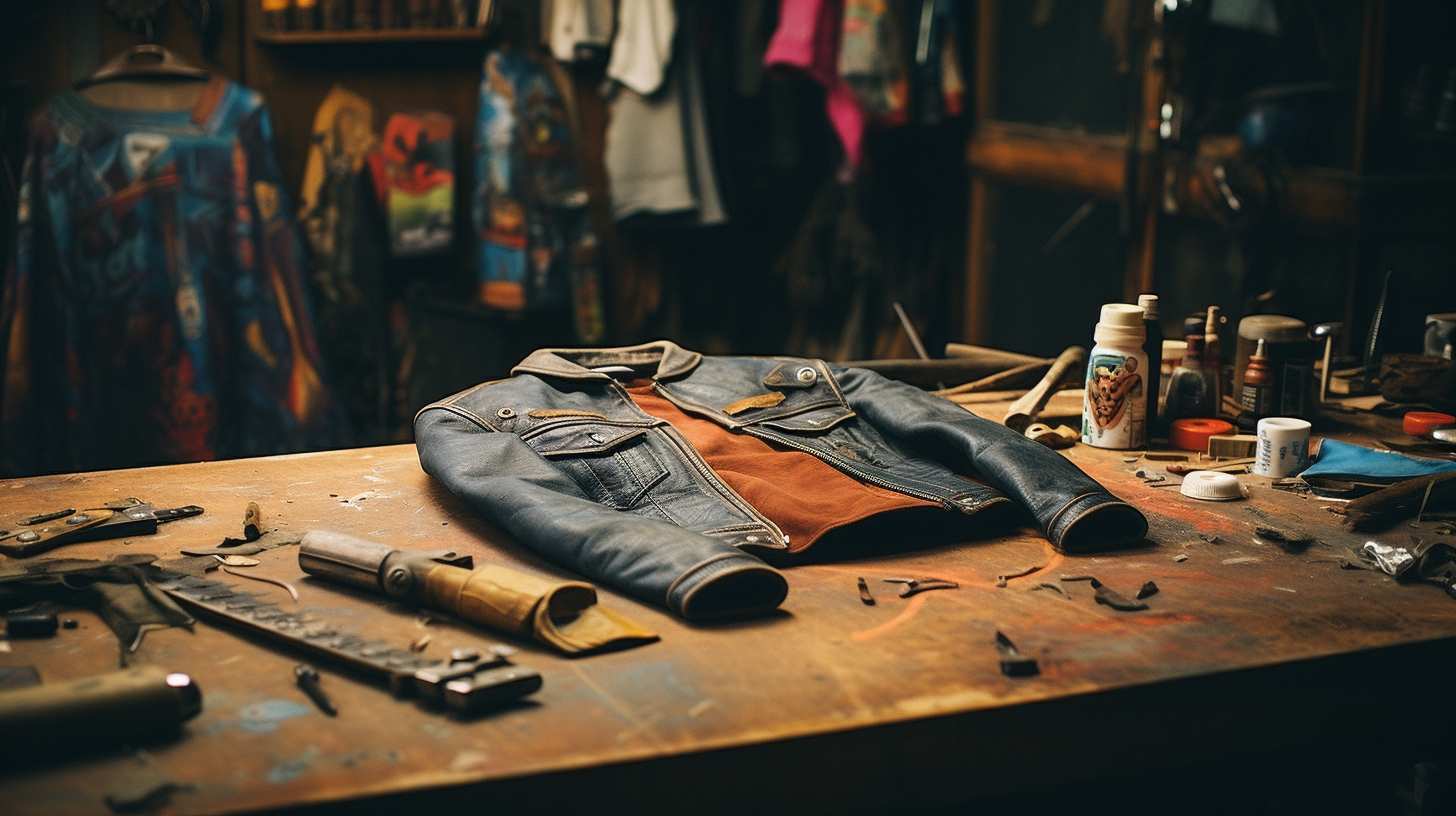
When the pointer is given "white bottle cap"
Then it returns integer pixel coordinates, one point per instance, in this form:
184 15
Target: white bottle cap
1120 323
1149 304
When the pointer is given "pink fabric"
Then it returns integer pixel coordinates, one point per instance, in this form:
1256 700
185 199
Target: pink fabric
808 39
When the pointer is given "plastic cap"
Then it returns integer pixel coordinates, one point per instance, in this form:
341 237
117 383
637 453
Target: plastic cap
1123 315
1192 433
1420 423
1149 304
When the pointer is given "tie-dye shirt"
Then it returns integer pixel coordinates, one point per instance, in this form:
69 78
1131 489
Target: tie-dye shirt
155 311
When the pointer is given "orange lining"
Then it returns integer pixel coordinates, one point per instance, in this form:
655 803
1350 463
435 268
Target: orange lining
804 496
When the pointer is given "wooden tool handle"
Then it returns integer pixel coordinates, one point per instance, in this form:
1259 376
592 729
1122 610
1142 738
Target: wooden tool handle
1022 412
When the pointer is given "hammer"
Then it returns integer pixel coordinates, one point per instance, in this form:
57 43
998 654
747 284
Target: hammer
1024 411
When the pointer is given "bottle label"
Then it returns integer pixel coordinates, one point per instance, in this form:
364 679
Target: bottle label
1113 405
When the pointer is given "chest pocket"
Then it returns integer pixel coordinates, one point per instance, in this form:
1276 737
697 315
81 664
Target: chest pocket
615 466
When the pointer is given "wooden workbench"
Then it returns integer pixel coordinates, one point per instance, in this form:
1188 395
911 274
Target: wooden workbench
829 703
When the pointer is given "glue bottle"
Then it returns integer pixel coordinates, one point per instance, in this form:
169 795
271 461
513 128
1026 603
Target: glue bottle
1114 407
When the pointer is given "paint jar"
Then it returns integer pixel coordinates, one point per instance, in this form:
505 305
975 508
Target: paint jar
1283 448
1114 408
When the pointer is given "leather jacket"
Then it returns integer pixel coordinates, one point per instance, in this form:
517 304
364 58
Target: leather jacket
561 458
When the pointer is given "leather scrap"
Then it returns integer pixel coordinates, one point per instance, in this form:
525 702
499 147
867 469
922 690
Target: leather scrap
864 593
1290 541
1147 590
1110 597
563 614
554 413
765 400
1002 579
1013 662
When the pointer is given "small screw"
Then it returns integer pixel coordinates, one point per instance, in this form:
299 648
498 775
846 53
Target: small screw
307 678
399 579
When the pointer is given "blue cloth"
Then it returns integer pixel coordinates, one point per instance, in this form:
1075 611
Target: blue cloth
1341 460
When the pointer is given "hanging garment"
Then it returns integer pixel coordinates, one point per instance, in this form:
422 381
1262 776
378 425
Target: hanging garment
343 135
808 39
577 30
872 61
414 174
156 311
658 157
537 250
642 47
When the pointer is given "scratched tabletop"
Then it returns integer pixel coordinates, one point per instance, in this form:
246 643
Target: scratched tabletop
904 701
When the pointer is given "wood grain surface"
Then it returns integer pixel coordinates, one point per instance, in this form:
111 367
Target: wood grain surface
828 703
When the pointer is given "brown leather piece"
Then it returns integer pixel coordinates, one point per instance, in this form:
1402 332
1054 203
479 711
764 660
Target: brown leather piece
766 400
563 614
804 496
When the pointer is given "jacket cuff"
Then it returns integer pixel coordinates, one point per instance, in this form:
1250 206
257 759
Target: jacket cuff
730 585
1096 521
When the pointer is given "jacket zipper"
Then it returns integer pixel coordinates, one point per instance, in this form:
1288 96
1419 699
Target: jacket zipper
706 471
868 477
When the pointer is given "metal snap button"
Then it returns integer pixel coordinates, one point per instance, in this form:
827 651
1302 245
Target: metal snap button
807 375
597 438
505 413
751 539
28 536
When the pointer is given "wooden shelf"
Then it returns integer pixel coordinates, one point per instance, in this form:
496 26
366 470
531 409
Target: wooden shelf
383 35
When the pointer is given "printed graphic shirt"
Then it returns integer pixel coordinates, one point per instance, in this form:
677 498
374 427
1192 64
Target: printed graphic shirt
155 311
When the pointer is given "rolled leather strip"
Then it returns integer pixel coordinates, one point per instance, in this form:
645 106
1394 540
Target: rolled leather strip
563 614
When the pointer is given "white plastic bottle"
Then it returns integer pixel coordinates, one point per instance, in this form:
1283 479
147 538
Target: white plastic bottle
1114 408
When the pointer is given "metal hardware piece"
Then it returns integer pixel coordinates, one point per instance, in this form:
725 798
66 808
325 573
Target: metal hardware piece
467 683
51 516
307 678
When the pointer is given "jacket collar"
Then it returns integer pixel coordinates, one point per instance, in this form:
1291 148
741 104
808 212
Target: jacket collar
576 364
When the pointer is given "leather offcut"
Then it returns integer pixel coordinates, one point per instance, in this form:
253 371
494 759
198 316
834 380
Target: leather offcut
561 614
765 400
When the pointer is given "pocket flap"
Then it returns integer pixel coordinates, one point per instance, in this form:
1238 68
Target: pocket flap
819 419
581 439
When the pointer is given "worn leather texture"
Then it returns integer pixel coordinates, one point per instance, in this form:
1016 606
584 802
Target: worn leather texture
560 457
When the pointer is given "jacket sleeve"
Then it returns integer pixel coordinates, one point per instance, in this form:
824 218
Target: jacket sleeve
513 486
1073 511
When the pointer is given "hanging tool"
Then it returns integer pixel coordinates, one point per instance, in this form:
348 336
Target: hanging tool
563 614
1024 411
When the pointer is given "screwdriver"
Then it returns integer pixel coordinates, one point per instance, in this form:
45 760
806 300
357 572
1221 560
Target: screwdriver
308 680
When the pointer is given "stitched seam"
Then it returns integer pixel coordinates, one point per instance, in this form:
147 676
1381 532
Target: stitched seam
672 587
1069 525
609 500
687 599
464 413
1056 517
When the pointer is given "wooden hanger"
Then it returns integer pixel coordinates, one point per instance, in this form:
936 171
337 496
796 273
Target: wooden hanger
144 61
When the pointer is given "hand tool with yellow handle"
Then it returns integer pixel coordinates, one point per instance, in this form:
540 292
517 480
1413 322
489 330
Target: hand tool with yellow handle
562 614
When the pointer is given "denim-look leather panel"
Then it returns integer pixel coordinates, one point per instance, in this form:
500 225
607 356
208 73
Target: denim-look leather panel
543 506
593 483
1057 494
